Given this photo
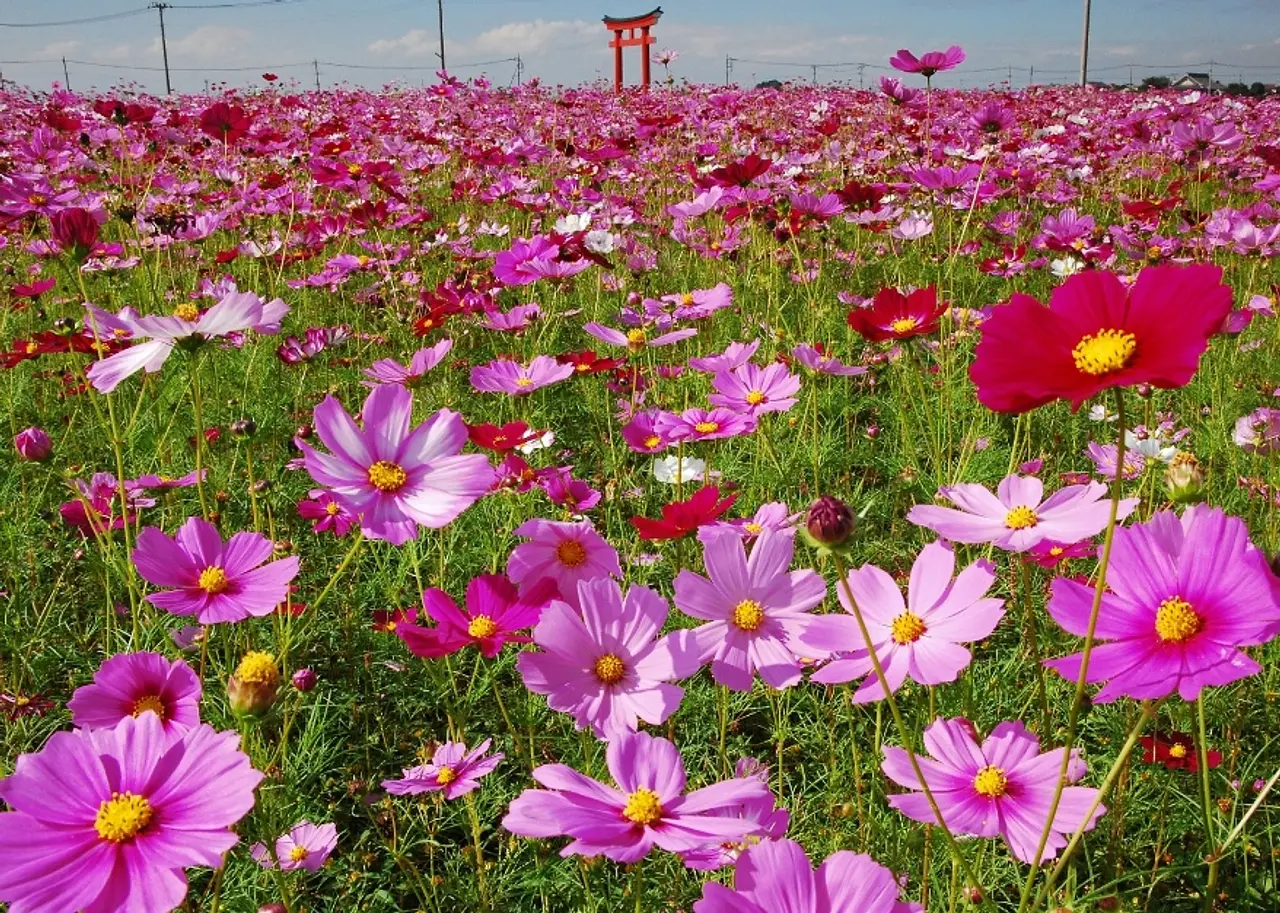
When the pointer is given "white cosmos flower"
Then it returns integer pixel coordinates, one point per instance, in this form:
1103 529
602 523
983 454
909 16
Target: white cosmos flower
571 224
537 443
599 241
673 470
1098 412
1066 266
1150 447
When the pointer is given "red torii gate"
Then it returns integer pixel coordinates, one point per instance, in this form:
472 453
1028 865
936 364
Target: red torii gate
629 24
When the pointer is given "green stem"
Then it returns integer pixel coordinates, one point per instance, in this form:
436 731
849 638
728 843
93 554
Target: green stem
1206 799
1082 680
197 405
475 840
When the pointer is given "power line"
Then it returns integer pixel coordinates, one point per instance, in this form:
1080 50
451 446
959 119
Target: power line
88 19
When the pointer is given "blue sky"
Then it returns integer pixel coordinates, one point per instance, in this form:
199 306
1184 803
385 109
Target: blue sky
562 41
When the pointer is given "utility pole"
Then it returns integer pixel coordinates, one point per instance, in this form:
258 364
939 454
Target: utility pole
815 75
1031 79
164 45
440 11
315 65
66 76
1084 47
861 69
519 71
728 68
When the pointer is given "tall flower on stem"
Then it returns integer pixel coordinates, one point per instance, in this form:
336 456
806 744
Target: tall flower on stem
396 476
649 806
930 63
453 772
306 846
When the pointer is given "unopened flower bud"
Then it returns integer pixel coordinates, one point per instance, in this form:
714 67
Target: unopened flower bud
252 688
260 486
1184 479
830 522
272 908
243 428
33 445
1144 390
304 680
973 894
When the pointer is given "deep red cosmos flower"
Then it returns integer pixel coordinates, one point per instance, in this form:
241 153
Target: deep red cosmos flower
387 620
893 315
224 122
740 174
1096 334
588 362
500 439
1176 751
680 518
75 230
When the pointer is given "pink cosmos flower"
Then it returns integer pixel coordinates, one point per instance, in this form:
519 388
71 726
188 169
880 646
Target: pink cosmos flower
453 771
704 424
212 581
306 846
503 376
643 434
774 515
771 824
700 303
735 355
1183 596
819 363
327 512
106 820
494 613
776 877
755 607
564 490
513 321
604 665
1258 432
648 808
1001 788
749 388
1018 516
396 477
133 684
636 339
390 371
929 64
564 553
235 313
920 638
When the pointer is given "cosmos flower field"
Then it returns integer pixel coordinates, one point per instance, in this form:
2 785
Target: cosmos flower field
536 499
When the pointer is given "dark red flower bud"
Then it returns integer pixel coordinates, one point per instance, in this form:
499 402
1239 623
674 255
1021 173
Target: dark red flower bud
304 680
75 230
830 522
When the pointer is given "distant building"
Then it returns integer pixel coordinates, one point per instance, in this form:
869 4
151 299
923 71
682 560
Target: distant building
1201 81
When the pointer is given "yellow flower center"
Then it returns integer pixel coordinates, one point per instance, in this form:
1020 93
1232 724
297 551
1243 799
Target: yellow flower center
635 337
150 703
1103 352
32 347
907 628
755 398
364 259
754 528
187 311
354 169
524 382
571 553
482 626
686 299
748 615
259 668
299 853
1154 252
37 199
652 441
387 476
1056 550
1177 750
609 669
991 782
213 580
643 807
1021 517
1176 621
446 775
706 427
903 325
123 817
332 508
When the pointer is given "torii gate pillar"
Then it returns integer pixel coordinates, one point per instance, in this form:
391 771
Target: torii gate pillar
631 25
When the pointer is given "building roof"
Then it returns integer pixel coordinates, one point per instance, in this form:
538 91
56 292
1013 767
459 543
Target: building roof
623 21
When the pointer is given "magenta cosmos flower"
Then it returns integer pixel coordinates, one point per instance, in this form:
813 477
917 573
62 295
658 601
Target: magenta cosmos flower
106 820
776 877
1018 516
704 424
131 684
1183 596
771 824
750 388
453 771
564 553
647 808
306 846
390 371
495 611
734 356
755 608
930 63
397 477
1001 788
607 666
503 376
327 513
920 638
212 581
636 339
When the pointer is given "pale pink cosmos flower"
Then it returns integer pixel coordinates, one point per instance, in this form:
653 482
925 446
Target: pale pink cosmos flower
306 846
737 354
1018 516
636 339
820 363
503 376
390 371
704 424
453 772
565 553
750 388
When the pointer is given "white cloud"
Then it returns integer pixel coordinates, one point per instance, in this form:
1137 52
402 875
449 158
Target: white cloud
413 43
58 49
537 36
211 44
